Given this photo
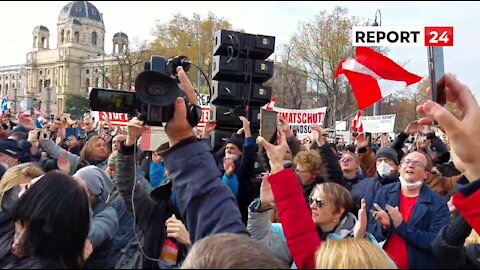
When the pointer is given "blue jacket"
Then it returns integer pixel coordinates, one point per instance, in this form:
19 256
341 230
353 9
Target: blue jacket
368 187
206 204
429 215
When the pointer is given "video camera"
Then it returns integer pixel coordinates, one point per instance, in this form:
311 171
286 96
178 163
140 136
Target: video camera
156 89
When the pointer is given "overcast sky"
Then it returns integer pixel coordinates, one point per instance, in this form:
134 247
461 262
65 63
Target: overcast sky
280 19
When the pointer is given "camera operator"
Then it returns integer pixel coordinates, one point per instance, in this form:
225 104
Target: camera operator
205 204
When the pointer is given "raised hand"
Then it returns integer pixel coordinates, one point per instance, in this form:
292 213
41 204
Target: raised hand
413 127
209 127
134 131
27 122
318 132
229 166
361 225
462 132
275 153
178 128
266 193
246 127
361 141
286 128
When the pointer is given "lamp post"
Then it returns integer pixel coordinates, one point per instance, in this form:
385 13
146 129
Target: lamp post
198 55
376 106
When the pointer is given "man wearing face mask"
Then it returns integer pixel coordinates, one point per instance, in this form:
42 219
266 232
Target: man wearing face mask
408 215
238 167
386 162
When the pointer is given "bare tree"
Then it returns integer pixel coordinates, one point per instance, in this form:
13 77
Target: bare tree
125 66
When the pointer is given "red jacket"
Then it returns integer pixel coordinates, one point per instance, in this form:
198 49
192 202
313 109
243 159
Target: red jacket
298 227
467 201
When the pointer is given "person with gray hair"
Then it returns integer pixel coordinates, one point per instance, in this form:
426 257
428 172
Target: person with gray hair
230 251
104 219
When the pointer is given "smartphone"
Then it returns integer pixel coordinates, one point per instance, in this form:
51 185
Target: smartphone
44 135
368 137
269 123
436 71
71 132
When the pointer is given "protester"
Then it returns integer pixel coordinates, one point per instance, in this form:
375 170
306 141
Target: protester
49 228
352 253
408 215
230 251
13 178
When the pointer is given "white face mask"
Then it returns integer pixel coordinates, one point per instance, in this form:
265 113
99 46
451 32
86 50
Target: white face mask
408 185
384 169
233 157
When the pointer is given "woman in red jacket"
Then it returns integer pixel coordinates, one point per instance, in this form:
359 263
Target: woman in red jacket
330 205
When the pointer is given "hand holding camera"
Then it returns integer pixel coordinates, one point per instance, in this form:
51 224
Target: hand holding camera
179 128
38 135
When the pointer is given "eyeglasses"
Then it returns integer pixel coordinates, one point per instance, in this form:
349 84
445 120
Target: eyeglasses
318 202
416 164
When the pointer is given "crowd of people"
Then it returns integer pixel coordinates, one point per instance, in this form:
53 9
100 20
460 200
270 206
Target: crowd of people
94 199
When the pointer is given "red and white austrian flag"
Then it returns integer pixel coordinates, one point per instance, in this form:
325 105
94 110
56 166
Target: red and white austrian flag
373 76
367 36
269 106
357 125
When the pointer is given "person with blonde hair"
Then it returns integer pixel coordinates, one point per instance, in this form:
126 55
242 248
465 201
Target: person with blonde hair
11 181
362 254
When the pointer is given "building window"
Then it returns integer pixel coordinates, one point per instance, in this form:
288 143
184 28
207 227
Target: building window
94 38
77 37
13 85
87 71
6 87
19 77
106 70
48 71
96 71
62 36
40 72
97 82
78 9
13 77
6 77
87 82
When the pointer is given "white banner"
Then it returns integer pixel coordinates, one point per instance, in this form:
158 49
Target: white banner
379 124
119 119
341 125
301 120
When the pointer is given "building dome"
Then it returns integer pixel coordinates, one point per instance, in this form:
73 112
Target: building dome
40 28
120 34
80 9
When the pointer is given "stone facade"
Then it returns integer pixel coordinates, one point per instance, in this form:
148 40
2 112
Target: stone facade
78 62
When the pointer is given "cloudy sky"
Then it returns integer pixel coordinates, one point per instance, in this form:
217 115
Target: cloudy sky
279 19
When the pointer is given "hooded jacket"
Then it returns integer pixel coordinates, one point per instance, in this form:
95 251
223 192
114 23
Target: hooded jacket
104 222
151 212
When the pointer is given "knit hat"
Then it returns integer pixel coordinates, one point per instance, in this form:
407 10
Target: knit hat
10 147
387 152
98 182
235 141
